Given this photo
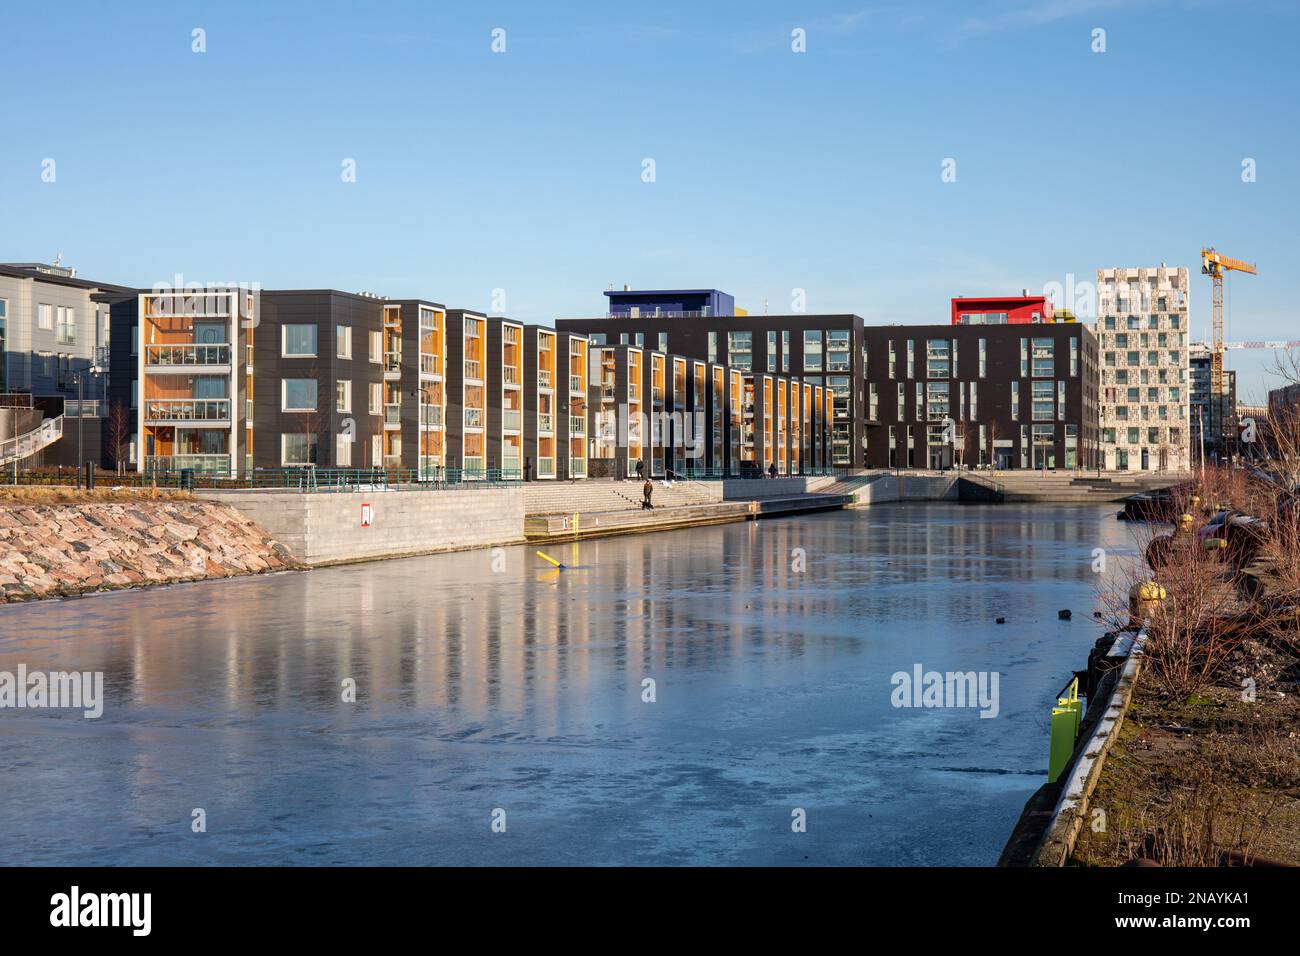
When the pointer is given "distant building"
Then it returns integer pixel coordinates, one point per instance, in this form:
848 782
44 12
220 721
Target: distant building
1002 310
1013 397
1203 415
1142 330
671 303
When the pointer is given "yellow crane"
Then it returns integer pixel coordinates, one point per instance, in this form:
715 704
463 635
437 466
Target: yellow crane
1214 265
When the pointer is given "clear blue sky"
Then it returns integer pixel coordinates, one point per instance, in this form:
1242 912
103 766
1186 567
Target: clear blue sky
775 170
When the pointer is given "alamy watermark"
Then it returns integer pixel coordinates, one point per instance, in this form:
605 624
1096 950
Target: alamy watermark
951 689
53 690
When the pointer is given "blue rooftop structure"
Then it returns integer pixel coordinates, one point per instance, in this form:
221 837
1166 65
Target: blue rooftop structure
631 303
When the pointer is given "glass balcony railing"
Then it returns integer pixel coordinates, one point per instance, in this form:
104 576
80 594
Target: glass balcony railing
430 415
208 464
546 468
392 361
430 364
167 355
473 419
512 420
393 413
187 410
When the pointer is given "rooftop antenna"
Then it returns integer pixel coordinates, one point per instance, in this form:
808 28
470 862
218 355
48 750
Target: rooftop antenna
765 306
58 259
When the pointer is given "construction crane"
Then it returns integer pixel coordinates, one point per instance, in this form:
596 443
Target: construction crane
1215 265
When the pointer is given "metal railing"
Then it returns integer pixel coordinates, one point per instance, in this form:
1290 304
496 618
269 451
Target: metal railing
544 378
473 418
545 422
29 443
474 369
576 384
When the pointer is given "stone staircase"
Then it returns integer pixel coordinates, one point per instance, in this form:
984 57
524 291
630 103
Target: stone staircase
1069 488
606 495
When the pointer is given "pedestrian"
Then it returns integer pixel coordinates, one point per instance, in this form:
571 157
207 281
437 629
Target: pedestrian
640 469
771 470
647 490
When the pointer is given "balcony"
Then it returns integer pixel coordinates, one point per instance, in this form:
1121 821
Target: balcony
207 464
512 420
214 411
430 364
546 468
474 369
544 379
393 415
576 384
545 422
510 374
577 426
207 357
473 418
431 416
392 365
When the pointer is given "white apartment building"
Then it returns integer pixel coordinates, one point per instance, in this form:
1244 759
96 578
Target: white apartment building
1142 333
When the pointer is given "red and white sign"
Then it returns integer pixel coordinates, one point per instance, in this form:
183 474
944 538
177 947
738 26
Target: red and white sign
367 515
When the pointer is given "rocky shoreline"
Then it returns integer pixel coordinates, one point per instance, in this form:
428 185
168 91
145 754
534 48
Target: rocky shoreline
52 550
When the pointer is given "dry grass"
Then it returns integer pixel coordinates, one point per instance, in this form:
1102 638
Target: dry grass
13 495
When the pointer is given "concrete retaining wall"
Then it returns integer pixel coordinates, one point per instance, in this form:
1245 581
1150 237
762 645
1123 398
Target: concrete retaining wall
750 489
890 488
327 527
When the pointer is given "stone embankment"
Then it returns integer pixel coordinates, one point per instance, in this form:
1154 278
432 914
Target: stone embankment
48 550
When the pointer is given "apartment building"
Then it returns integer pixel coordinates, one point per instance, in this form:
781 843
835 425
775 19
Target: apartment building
823 351
1213 424
1007 395
1142 328
1024 309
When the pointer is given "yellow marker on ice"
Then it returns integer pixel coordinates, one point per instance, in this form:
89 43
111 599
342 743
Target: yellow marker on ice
546 557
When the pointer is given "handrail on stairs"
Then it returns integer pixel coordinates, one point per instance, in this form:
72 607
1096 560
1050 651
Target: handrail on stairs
29 443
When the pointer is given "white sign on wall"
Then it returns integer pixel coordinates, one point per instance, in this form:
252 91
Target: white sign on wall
367 515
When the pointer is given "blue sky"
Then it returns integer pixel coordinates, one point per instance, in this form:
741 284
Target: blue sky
774 170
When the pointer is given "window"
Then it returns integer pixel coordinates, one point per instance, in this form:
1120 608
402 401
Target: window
4 309
937 400
984 357
663 341
342 450
377 345
1024 358
67 331
974 401
1044 406
740 350
1015 401
298 341
812 350
920 402
343 396
936 358
376 403
713 346
1044 358
902 401
771 351
911 358
1060 398
893 360
1074 358
45 317
343 341
298 394
298 448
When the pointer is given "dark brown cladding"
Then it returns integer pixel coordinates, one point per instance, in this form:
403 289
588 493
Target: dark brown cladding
820 350
1001 385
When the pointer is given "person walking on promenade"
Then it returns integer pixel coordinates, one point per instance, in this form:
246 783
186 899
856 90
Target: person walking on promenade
647 490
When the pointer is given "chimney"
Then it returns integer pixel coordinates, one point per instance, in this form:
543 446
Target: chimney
1024 293
626 287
